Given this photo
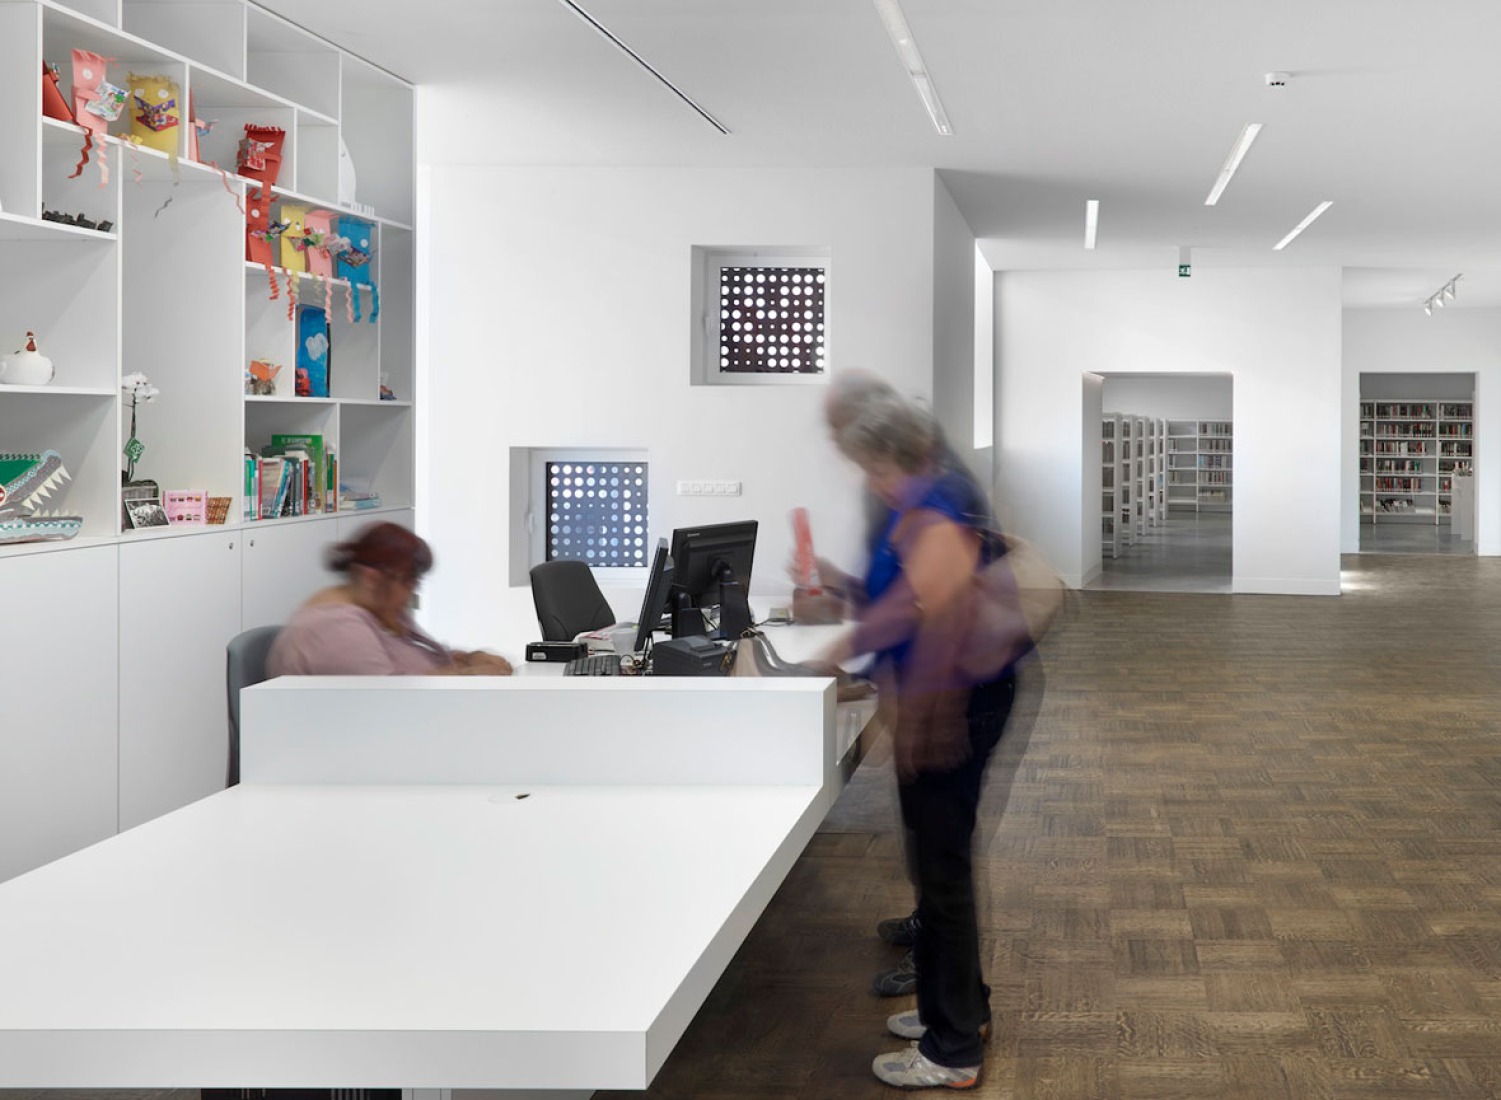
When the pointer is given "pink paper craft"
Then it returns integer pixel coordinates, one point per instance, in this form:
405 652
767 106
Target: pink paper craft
185 506
319 226
96 103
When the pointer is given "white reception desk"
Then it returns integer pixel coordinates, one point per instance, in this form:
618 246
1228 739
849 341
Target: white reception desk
427 883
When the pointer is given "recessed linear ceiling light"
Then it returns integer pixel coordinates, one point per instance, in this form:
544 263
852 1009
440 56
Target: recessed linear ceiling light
639 60
917 69
1302 225
1232 162
1091 221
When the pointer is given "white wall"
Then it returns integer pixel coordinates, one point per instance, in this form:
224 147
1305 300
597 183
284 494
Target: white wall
1203 397
954 350
558 315
1276 332
1405 341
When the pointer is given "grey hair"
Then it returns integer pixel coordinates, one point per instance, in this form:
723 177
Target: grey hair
849 392
888 429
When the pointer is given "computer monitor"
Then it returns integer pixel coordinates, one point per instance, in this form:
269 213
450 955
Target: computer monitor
658 584
712 568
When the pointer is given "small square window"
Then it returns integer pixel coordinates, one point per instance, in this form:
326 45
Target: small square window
764 316
771 320
596 513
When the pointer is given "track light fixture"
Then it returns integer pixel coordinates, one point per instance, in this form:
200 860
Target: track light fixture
1443 294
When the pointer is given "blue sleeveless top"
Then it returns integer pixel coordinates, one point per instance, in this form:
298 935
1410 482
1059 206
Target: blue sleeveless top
952 494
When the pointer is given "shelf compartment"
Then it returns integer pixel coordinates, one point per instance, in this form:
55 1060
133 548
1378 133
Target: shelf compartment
377 119
376 449
66 290
298 65
210 32
82 430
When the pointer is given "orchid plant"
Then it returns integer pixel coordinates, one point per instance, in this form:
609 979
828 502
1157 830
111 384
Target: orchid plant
137 389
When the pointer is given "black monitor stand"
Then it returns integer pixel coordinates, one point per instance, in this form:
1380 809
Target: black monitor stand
734 610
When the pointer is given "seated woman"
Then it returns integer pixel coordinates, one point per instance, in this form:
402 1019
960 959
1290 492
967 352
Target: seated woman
363 627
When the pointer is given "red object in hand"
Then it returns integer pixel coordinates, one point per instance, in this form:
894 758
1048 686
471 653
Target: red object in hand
805 563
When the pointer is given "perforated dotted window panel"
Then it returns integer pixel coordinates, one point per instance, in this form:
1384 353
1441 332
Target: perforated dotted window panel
771 320
596 513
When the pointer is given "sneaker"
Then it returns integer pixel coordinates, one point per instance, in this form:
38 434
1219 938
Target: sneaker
911 1069
909 1025
899 981
899 931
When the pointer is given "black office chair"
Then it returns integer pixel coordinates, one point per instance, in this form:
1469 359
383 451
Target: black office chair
568 600
245 665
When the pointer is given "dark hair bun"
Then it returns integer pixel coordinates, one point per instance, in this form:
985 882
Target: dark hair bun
388 547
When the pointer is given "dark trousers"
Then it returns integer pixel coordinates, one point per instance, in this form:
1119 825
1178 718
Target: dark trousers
939 810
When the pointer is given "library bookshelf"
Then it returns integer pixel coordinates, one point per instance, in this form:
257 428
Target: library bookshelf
1410 453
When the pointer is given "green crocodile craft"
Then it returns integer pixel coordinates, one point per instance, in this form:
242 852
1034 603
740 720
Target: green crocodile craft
25 481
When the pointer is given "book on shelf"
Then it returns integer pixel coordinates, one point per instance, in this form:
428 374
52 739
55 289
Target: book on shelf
320 500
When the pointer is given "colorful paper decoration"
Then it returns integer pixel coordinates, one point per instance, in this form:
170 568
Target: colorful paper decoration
260 377
293 242
25 481
96 103
354 265
156 113
53 103
260 154
313 352
318 230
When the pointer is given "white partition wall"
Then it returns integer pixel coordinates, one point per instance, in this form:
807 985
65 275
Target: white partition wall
1277 333
1404 341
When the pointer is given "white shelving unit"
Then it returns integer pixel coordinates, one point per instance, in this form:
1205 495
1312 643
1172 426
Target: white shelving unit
1200 465
1133 471
167 291
1112 529
1410 453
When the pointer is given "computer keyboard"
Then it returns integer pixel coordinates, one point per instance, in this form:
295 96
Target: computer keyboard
596 664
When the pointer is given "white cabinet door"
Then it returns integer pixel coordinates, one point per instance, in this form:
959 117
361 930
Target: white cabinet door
283 565
179 607
58 725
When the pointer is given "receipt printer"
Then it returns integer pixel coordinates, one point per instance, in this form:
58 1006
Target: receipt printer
694 655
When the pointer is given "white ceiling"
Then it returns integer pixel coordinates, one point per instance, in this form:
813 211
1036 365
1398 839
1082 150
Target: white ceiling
1392 112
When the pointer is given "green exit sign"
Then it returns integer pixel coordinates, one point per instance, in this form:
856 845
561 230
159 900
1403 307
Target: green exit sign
1184 271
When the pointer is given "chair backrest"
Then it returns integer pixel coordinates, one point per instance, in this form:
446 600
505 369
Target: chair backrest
245 665
568 600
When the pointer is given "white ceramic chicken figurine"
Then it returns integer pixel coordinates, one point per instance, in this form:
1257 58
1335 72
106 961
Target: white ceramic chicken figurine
27 367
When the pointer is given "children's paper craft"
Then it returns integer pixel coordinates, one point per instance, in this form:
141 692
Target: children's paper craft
313 352
318 230
25 481
353 264
53 103
260 155
185 505
156 113
293 239
96 103
260 377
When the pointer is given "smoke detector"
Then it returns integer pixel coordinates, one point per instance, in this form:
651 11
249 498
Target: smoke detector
1277 80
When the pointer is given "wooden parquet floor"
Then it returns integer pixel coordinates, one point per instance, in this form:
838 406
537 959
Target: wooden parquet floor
1235 846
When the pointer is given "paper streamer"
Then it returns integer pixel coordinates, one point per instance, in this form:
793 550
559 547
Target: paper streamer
83 154
292 290
135 161
350 302
374 302
271 279
328 296
223 175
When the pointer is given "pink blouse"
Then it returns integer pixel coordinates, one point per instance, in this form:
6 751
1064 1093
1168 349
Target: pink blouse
341 639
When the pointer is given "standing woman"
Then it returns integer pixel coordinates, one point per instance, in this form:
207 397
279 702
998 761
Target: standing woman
920 585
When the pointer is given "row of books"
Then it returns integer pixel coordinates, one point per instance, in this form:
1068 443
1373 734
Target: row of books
294 475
